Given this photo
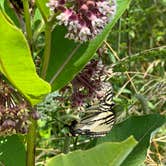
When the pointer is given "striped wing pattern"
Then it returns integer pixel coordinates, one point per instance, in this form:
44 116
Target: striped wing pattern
98 122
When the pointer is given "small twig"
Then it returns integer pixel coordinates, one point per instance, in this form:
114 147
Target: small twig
120 91
45 152
157 150
131 82
117 57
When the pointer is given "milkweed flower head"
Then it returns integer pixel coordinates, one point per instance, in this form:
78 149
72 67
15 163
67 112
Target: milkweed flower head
14 113
91 84
84 19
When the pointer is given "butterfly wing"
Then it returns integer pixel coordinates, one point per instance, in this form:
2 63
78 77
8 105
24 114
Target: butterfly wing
106 103
97 121
95 125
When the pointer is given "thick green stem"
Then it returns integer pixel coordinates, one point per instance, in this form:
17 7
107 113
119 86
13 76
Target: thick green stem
27 21
31 136
47 50
31 139
41 11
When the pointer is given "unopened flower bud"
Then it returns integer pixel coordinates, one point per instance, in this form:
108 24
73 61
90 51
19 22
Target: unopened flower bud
35 115
8 123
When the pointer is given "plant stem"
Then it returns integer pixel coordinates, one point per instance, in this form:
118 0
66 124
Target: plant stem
31 139
41 11
31 135
128 37
47 50
66 145
27 21
119 36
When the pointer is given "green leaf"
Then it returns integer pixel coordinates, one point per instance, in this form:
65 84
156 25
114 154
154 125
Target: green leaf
2 3
106 154
68 58
17 65
141 128
41 4
11 13
12 151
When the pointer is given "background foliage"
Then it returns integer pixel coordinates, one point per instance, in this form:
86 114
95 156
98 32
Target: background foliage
135 51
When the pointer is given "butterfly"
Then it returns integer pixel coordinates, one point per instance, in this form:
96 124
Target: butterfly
97 121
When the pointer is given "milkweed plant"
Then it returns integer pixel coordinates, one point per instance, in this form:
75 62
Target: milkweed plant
52 70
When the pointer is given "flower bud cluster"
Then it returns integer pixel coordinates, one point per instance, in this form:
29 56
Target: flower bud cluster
84 19
90 83
14 115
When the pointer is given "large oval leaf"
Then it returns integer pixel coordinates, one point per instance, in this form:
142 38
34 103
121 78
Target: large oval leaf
2 3
12 151
68 58
106 154
17 65
141 128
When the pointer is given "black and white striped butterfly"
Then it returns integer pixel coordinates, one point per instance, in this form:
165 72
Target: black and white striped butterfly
97 121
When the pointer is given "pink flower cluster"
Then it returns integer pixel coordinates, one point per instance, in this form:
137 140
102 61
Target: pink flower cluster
14 111
90 84
84 19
